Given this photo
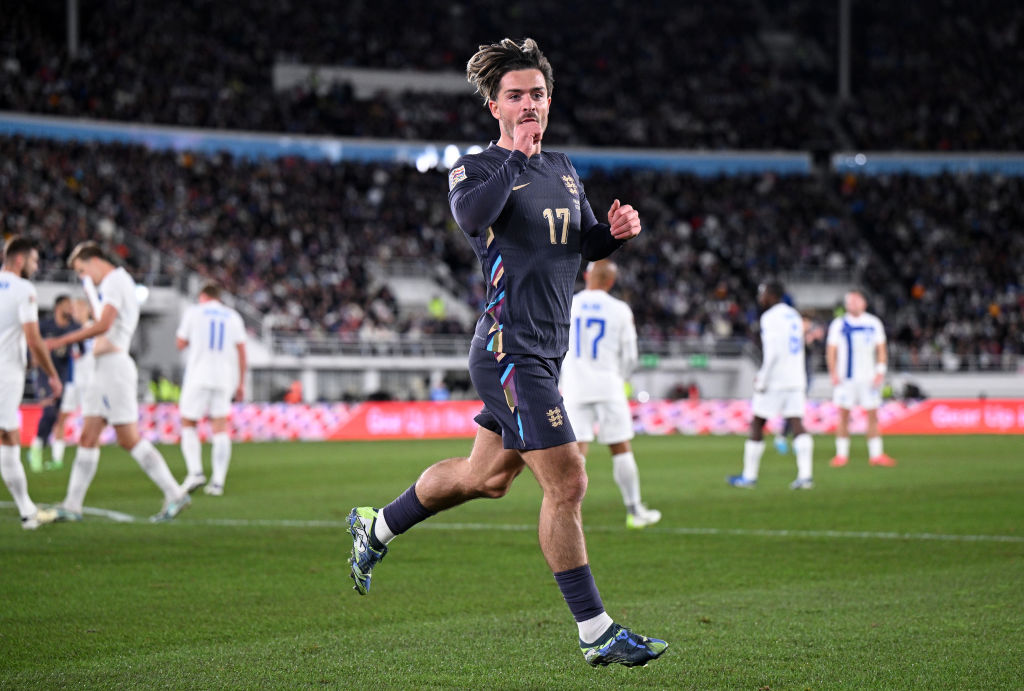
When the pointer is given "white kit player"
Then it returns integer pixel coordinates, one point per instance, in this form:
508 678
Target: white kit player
214 375
602 353
780 388
857 363
111 398
19 326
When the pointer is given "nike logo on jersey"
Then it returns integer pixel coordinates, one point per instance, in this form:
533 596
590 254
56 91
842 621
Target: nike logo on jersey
519 187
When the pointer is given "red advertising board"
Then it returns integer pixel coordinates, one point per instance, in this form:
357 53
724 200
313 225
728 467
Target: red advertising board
424 420
454 419
955 416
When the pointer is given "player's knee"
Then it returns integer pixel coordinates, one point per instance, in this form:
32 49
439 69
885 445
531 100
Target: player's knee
576 487
571 487
127 438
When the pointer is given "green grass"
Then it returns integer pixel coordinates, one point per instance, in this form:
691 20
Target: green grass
196 604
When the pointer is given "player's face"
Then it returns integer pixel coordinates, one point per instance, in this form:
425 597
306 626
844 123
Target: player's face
855 304
86 268
63 311
31 264
522 96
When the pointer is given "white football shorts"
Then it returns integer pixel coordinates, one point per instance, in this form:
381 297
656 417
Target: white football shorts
113 392
198 402
11 391
71 399
612 417
771 404
852 393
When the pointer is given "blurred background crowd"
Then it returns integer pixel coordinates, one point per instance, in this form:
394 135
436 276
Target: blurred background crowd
305 242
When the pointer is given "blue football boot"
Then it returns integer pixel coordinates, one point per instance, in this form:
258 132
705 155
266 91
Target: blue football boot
621 646
364 556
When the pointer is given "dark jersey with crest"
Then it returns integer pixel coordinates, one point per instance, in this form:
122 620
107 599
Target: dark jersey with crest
63 358
530 224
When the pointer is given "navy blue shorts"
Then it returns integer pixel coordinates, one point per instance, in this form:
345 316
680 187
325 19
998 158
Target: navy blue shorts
521 399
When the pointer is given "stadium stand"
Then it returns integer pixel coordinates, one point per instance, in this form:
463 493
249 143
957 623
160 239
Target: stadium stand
737 75
302 240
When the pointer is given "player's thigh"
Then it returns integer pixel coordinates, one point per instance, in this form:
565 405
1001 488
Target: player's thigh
615 422
559 470
11 391
92 428
127 435
521 399
490 463
766 404
582 417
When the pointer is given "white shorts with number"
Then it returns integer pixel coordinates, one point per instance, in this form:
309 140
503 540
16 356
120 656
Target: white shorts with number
113 392
852 393
613 419
11 391
198 402
771 404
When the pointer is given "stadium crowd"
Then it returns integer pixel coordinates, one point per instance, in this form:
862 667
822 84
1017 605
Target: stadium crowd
934 74
309 243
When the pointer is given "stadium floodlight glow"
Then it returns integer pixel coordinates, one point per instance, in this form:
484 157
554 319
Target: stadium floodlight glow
333 151
451 155
860 159
475 149
428 159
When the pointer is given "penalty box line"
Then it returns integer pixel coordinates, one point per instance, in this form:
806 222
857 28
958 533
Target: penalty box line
119 517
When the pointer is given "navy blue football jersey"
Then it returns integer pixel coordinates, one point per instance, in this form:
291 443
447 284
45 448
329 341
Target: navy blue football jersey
530 224
63 358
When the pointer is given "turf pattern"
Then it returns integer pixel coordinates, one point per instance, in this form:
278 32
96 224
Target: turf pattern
864 582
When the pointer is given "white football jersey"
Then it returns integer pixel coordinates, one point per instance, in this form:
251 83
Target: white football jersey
213 331
782 340
18 306
856 340
602 348
118 290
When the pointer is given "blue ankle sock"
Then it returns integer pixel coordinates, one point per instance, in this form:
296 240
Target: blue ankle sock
404 512
580 592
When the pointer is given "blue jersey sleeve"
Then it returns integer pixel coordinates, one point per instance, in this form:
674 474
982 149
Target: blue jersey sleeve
596 241
477 195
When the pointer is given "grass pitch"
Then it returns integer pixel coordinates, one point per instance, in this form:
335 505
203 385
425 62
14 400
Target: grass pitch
911 577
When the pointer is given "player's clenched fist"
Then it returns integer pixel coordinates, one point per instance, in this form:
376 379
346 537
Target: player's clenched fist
526 136
624 220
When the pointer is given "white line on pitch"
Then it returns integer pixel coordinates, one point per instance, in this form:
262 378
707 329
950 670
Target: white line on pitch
506 527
